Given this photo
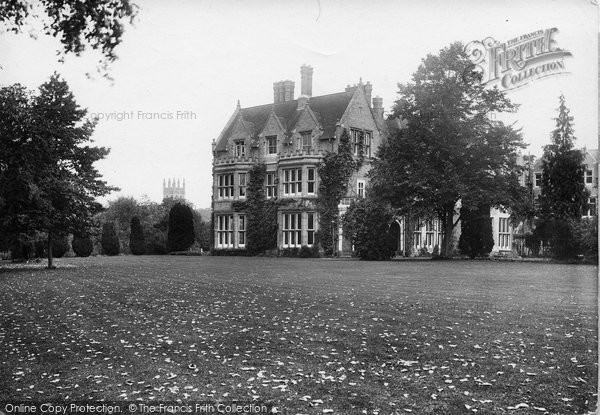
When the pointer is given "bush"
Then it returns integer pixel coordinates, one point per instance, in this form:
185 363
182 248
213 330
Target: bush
82 245
40 248
289 252
60 246
476 235
110 239
22 248
157 243
560 235
423 251
229 252
586 234
181 228
367 222
137 244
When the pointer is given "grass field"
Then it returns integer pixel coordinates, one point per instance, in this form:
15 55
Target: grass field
307 335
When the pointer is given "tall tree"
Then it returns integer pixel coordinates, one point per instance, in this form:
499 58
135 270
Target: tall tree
98 24
563 195
137 243
48 181
110 240
181 228
451 147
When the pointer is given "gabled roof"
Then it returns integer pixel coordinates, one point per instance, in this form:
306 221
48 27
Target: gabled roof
328 109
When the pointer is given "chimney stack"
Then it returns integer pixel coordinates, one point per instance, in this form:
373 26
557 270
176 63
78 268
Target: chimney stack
368 92
288 90
283 91
306 73
378 107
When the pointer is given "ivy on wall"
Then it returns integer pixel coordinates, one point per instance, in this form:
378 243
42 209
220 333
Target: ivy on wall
261 213
334 171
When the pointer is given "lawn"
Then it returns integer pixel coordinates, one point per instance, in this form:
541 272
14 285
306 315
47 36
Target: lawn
309 336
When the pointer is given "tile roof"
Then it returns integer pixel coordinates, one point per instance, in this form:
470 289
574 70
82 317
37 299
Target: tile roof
327 108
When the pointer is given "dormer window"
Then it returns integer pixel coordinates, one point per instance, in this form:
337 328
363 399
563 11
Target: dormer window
272 144
240 149
306 140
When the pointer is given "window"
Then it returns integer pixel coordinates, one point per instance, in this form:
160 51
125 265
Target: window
272 144
591 207
292 230
306 137
310 228
242 186
311 180
292 182
430 233
241 230
503 234
367 144
240 149
360 189
417 239
538 180
361 142
589 177
356 139
225 231
271 185
225 186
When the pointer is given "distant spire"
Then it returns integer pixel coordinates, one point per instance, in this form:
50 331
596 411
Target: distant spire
238 104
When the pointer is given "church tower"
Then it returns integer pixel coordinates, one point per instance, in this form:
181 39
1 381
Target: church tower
174 189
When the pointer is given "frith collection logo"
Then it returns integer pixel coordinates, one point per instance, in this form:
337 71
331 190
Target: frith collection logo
515 63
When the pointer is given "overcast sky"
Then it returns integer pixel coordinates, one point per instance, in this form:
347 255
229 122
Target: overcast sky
202 56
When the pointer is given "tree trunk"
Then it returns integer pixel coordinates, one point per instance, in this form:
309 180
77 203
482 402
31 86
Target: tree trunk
448 227
408 234
50 258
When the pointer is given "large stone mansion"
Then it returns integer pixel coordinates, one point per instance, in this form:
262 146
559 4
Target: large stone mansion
290 136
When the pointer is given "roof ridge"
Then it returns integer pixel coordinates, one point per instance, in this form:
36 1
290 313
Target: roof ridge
295 100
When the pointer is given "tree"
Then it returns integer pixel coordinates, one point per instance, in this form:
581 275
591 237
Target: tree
121 211
110 240
261 214
137 243
48 181
60 245
476 236
82 245
98 24
367 221
563 196
451 147
181 228
334 172
201 231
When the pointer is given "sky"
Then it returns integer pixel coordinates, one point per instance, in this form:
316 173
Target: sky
189 61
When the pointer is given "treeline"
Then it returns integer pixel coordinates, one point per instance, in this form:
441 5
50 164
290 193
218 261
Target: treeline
126 226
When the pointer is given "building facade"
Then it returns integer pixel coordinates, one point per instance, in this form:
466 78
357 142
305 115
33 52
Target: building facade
290 136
